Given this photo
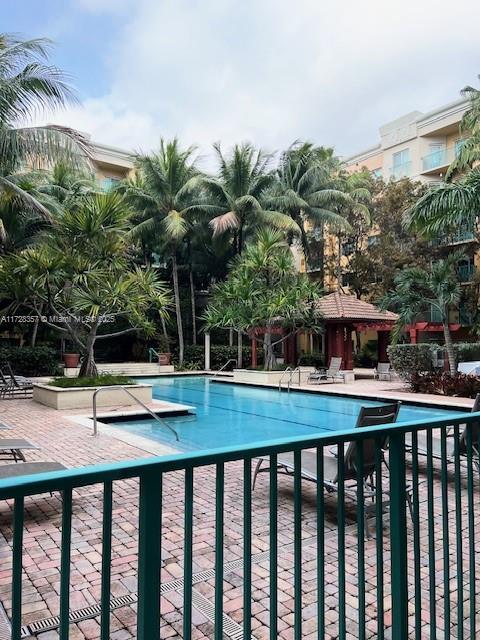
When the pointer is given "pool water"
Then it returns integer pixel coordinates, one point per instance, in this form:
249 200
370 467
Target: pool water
228 415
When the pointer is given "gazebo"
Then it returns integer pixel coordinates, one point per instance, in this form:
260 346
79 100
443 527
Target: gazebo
344 314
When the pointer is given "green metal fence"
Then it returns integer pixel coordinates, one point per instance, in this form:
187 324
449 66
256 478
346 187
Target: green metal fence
437 541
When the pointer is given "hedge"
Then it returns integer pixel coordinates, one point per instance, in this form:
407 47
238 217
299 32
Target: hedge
466 351
410 359
30 361
194 356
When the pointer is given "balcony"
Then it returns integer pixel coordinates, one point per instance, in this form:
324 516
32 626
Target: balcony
466 272
403 170
183 545
464 233
438 160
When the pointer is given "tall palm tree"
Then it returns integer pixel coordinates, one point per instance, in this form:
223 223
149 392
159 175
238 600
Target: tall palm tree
307 193
418 290
29 86
236 198
165 195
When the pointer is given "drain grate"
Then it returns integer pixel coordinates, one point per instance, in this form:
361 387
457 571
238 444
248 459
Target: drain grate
93 611
5 629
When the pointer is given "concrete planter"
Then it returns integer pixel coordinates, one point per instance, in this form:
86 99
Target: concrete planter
251 376
82 397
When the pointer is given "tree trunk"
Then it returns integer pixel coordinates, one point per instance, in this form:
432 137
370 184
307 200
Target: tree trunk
165 333
88 368
449 348
270 360
178 310
339 263
192 301
33 338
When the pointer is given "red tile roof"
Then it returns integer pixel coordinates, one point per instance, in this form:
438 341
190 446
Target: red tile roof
339 306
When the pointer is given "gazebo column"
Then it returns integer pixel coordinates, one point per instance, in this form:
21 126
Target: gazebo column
348 349
383 342
335 343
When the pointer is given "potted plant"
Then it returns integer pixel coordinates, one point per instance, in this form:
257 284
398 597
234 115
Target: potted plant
71 360
163 350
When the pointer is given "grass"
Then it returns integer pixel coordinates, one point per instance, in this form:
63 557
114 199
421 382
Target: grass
93 381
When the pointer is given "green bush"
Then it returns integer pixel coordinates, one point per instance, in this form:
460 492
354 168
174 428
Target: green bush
30 361
105 380
445 384
194 356
410 359
316 360
467 351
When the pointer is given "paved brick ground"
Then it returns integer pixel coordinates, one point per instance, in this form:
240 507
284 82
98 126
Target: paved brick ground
63 440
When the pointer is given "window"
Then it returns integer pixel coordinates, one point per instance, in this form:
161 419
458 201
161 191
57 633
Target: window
401 163
377 173
109 183
347 279
373 240
347 248
458 145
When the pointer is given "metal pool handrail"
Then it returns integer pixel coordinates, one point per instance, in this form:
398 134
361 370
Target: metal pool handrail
163 422
287 370
223 367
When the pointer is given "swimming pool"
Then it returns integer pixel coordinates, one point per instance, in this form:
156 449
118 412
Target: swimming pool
228 415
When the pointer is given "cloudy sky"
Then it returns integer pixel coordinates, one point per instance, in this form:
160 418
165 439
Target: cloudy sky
269 71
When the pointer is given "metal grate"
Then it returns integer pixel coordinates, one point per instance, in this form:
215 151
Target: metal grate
230 628
5 629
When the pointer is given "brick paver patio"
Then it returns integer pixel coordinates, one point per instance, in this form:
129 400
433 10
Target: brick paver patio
61 439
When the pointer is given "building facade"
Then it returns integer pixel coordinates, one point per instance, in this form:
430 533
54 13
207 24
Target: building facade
110 164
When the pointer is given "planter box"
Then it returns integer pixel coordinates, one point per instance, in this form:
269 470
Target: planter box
259 377
82 397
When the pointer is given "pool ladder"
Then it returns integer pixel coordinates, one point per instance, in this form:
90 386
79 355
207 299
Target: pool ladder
223 367
161 421
291 373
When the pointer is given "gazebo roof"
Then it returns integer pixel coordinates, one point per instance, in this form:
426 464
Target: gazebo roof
340 306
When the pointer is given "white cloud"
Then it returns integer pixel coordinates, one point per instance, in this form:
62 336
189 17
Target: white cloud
274 71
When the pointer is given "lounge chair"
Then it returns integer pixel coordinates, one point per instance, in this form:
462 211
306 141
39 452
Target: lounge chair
21 380
332 373
14 447
28 468
368 416
13 384
6 386
383 372
450 442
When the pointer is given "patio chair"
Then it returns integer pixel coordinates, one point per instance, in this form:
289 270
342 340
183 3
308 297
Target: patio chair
14 448
368 416
450 442
21 380
383 372
12 384
333 372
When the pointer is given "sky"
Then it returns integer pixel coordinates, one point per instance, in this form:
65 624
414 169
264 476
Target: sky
266 71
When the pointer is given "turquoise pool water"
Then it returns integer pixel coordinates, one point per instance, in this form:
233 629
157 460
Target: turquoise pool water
229 415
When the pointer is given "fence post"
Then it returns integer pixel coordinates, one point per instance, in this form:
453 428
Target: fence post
398 537
149 557
207 352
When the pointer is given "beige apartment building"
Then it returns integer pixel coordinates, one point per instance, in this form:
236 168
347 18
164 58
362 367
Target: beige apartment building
110 164
417 145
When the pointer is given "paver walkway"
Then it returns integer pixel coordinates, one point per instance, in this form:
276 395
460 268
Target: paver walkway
61 439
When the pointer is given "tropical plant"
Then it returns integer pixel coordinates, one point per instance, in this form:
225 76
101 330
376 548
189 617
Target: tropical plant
79 279
165 193
264 290
447 207
236 198
28 86
419 290
469 150
307 193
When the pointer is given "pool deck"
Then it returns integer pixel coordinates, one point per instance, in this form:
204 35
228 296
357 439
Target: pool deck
63 437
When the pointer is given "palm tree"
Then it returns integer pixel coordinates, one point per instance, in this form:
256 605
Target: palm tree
469 151
165 195
446 207
418 290
307 193
29 86
236 198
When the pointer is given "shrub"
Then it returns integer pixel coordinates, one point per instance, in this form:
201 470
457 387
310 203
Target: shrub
30 361
194 356
316 360
445 384
92 381
410 359
467 351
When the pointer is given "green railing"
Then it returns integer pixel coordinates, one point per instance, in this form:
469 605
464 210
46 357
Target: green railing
437 544
466 272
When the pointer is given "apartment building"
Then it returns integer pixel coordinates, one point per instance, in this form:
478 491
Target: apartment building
110 164
417 145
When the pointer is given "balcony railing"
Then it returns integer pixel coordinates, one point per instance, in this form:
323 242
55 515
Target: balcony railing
466 272
418 568
438 159
465 233
401 170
